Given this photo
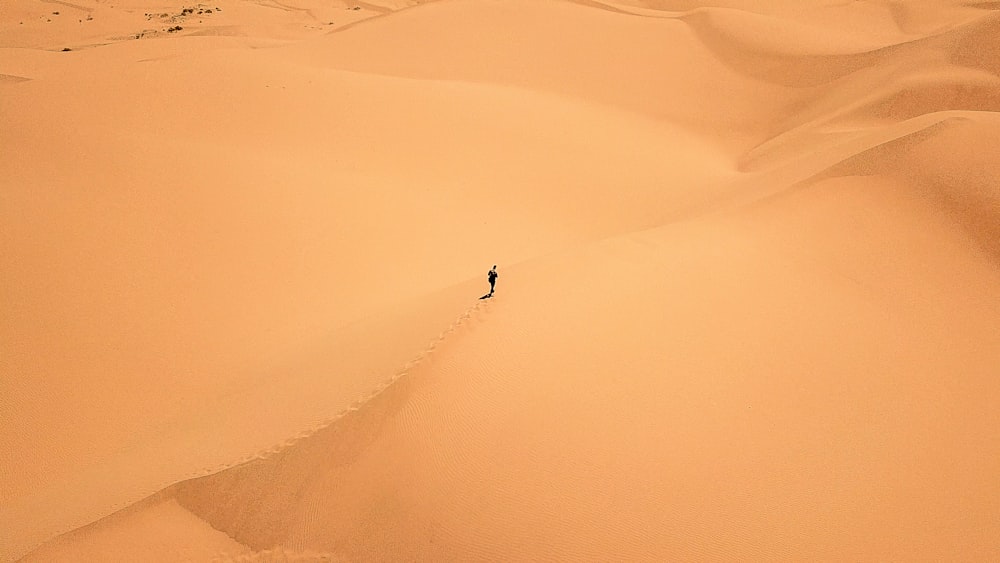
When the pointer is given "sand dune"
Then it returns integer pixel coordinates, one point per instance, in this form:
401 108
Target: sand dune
750 280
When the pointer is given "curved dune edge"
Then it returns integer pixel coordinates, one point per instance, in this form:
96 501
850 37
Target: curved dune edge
357 405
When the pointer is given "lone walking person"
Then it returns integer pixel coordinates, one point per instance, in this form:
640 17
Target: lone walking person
492 276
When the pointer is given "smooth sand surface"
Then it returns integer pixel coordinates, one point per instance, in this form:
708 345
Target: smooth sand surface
748 303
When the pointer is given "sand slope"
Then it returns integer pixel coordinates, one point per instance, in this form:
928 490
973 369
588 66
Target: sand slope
747 309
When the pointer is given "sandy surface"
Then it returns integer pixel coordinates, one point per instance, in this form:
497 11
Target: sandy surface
748 300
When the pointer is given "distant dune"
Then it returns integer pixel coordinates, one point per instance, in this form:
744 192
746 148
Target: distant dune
748 303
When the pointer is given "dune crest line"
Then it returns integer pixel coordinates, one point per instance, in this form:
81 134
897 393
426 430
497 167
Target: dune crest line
358 404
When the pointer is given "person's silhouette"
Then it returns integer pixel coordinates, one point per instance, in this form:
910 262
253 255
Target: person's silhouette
492 276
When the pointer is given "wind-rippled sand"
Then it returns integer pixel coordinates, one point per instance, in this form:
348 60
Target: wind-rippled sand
748 303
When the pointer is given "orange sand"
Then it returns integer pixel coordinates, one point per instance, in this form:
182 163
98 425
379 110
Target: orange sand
747 309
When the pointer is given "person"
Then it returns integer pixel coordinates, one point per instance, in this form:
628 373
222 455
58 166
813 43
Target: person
492 276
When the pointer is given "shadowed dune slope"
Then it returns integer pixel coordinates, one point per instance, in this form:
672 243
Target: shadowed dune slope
750 282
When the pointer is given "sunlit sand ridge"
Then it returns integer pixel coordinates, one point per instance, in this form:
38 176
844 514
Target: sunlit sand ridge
747 309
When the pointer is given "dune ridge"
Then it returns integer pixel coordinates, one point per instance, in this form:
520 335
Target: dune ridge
325 426
750 280
371 395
